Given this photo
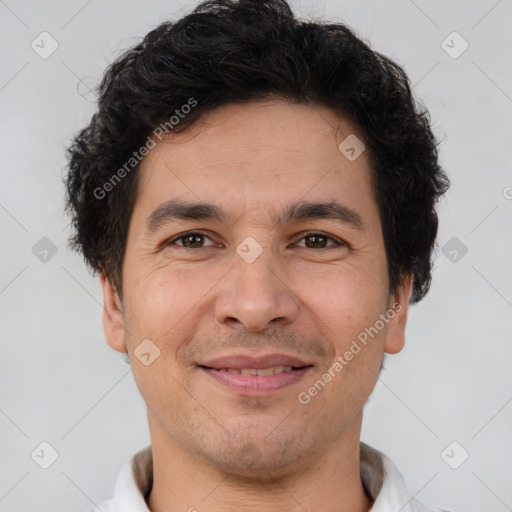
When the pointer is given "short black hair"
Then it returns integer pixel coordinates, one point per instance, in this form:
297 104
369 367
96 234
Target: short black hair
228 51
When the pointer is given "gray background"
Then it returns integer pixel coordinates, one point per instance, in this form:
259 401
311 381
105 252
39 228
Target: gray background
61 383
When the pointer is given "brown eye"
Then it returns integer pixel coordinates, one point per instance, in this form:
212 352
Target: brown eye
318 241
191 240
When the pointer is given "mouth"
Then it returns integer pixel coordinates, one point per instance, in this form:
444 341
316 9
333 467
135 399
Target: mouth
250 376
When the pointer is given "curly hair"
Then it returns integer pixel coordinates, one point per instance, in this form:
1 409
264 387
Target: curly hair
228 51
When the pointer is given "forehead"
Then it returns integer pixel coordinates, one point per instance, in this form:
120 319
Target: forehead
253 155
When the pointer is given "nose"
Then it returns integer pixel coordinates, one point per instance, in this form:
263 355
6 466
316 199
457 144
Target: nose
256 296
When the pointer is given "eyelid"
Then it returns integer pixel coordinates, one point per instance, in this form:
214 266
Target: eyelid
337 242
189 233
302 235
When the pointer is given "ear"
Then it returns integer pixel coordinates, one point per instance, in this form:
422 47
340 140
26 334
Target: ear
113 316
399 304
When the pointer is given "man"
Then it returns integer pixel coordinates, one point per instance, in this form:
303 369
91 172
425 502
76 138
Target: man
257 195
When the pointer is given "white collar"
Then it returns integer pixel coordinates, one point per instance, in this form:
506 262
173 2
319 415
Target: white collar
380 477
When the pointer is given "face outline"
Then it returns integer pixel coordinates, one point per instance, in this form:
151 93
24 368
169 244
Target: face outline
307 301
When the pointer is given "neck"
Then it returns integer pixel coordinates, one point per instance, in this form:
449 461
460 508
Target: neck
328 480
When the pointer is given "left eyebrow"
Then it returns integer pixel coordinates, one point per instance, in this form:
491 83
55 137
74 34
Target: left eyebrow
305 210
299 211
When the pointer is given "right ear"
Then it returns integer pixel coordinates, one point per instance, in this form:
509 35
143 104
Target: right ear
113 316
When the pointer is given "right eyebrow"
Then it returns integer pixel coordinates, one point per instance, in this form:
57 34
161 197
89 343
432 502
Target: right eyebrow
175 209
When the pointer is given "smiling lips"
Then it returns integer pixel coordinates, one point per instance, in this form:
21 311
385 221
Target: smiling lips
257 371
249 375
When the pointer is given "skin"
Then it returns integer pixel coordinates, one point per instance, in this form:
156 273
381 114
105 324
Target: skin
215 449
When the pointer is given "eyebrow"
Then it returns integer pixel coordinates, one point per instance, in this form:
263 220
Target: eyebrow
174 209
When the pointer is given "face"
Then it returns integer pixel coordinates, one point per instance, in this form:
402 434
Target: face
254 265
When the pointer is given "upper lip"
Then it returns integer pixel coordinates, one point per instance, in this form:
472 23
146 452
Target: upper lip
258 362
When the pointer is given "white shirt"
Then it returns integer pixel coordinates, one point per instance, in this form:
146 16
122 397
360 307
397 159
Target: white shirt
381 479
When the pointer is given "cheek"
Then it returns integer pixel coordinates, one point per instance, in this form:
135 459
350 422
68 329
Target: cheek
164 304
345 300
346 305
346 309
168 305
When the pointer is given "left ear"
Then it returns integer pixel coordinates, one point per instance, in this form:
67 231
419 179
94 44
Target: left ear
399 304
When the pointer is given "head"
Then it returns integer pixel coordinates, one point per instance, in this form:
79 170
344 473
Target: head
254 185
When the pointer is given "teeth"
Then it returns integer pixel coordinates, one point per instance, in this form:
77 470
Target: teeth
249 371
268 371
258 371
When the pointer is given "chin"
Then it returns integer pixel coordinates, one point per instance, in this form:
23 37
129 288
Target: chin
257 457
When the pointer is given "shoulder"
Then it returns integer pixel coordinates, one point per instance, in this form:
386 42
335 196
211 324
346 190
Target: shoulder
420 507
106 506
384 483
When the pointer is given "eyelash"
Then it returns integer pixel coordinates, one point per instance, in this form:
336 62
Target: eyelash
337 243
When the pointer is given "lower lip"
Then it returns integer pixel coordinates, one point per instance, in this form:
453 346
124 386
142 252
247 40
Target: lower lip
257 384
